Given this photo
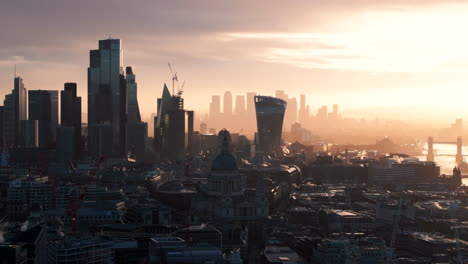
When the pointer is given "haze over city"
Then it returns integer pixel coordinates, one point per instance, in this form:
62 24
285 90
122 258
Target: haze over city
401 59
233 132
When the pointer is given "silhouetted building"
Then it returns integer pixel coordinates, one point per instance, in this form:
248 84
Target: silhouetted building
291 112
100 139
169 132
303 110
107 95
227 105
14 111
66 147
133 111
322 114
137 131
70 117
203 128
215 107
29 134
270 115
43 107
240 105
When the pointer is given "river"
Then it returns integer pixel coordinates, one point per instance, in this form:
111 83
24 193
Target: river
444 156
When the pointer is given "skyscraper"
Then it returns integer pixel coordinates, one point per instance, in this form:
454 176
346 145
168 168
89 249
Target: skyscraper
250 120
169 131
29 134
14 111
227 104
303 111
106 94
291 112
43 107
240 105
215 107
270 115
70 118
133 111
137 131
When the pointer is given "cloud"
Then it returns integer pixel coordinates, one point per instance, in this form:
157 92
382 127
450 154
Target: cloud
396 41
13 60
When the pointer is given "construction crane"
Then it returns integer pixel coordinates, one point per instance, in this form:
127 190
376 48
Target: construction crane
175 80
73 205
174 77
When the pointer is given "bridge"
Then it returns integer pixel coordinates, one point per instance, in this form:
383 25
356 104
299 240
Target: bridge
431 153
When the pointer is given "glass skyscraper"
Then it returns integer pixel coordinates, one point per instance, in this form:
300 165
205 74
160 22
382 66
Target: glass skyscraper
43 107
14 111
270 116
106 94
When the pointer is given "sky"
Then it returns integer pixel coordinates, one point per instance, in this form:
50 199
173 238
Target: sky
360 54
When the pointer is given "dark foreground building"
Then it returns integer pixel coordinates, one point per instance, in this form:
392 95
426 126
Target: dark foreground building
270 115
169 127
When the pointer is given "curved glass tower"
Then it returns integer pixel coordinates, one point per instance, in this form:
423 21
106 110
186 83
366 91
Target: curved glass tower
270 116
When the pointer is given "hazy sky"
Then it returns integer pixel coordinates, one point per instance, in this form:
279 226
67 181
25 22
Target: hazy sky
360 54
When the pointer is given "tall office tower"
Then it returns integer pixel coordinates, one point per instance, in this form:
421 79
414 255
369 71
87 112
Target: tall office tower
302 102
14 111
70 121
251 104
303 111
133 111
169 131
270 115
227 104
335 110
250 120
240 105
291 113
29 134
322 114
137 131
215 107
106 98
281 95
43 107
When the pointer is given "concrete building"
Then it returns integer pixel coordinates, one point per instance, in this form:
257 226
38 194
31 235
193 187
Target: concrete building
74 250
173 250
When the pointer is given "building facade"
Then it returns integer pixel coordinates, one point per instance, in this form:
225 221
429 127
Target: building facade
107 95
270 115
43 107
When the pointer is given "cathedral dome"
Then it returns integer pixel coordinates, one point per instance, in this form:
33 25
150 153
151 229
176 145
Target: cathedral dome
225 161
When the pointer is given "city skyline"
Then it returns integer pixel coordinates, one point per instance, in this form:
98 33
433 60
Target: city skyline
329 59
